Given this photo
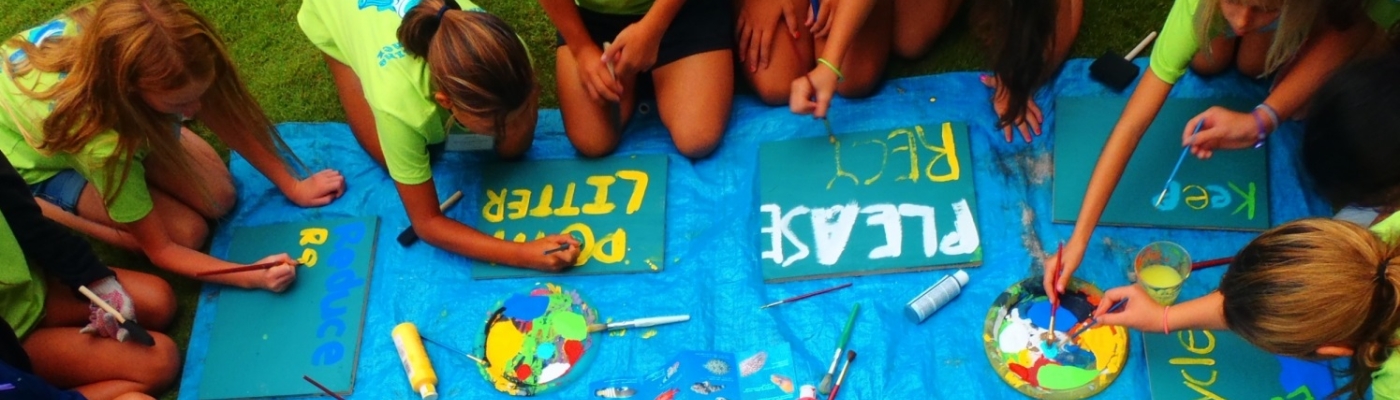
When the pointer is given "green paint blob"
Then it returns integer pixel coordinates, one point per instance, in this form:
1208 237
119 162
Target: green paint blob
570 325
1059 377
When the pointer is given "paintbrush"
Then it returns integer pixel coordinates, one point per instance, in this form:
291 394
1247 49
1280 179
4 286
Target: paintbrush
1055 281
840 347
322 387
830 135
850 358
638 323
409 236
1184 151
133 331
803 296
454 350
244 268
1211 263
562 247
1092 321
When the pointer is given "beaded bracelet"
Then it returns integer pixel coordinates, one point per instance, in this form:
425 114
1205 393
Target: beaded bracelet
839 77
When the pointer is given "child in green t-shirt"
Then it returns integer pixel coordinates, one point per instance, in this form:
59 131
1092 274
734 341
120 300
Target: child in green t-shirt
406 71
1302 42
1318 287
91 106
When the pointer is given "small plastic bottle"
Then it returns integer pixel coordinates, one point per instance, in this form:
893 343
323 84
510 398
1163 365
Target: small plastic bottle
933 298
415 360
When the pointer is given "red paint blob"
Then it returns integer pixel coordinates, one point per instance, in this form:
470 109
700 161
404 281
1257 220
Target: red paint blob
573 350
522 371
1025 374
527 326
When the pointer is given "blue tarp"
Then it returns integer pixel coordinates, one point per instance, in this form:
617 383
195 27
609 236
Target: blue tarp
712 271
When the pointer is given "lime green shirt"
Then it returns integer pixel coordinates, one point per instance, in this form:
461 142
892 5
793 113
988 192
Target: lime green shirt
619 7
22 288
362 35
1385 382
21 122
1177 44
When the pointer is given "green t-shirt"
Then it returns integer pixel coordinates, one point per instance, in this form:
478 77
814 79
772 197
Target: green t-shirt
619 7
1177 44
21 286
21 114
1385 382
363 36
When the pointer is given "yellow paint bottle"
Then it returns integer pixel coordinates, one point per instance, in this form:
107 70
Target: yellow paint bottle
415 360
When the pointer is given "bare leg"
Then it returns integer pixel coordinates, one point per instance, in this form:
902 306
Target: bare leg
593 126
215 197
105 233
864 65
918 23
186 226
694 95
357 111
151 296
791 59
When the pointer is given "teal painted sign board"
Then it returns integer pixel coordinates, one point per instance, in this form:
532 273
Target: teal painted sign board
1228 191
892 200
615 207
1197 364
261 343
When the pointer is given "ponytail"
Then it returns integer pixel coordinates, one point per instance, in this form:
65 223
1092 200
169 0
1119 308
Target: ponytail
1312 283
474 57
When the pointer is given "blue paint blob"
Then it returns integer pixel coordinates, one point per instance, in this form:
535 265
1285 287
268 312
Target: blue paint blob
525 307
545 351
1039 314
1075 356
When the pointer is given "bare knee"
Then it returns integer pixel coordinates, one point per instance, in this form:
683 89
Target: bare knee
859 85
594 147
158 369
911 48
773 90
222 197
155 300
188 230
134 396
698 141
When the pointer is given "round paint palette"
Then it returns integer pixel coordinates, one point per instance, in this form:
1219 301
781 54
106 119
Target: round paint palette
1021 356
536 338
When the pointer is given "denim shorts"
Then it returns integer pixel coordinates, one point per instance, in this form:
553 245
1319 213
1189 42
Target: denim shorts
63 190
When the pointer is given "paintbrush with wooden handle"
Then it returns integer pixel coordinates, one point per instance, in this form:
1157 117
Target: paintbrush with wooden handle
638 323
133 331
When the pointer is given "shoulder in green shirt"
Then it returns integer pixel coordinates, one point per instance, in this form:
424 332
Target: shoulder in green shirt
619 7
21 121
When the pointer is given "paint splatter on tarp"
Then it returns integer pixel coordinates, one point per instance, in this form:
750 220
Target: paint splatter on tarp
1019 351
533 339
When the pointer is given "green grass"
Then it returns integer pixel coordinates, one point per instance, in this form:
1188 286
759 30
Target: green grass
290 79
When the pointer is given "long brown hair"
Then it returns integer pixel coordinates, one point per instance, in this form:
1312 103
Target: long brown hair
1021 38
1316 282
125 47
476 58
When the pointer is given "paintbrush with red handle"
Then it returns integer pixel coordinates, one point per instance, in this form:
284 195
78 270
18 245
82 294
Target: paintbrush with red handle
1211 263
850 357
245 268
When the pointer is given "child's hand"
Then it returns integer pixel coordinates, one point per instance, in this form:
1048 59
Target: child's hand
102 323
600 81
535 257
1141 312
811 93
1027 123
1057 275
318 189
1222 129
819 22
755 29
275 279
634 49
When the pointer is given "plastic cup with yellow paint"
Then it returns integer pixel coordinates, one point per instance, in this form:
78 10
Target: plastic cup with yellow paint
1162 268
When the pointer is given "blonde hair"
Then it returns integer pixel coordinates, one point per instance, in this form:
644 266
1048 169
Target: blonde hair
1316 282
1295 22
476 58
125 47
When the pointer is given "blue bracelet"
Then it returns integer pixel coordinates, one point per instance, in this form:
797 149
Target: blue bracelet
1259 122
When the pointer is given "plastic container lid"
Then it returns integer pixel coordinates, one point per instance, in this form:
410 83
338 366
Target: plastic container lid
961 277
428 392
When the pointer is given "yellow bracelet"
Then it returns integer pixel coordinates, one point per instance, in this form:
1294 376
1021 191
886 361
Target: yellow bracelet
828 64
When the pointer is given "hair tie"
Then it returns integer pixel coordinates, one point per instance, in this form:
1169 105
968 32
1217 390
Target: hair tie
1381 270
447 5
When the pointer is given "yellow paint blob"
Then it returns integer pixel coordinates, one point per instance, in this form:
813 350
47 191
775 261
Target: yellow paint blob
503 343
649 334
1160 276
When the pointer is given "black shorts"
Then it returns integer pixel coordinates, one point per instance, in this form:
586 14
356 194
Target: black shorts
700 26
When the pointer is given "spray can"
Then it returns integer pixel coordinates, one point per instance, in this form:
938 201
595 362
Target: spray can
808 392
933 298
415 360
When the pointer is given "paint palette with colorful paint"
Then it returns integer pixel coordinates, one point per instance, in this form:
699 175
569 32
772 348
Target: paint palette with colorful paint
534 339
1015 346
